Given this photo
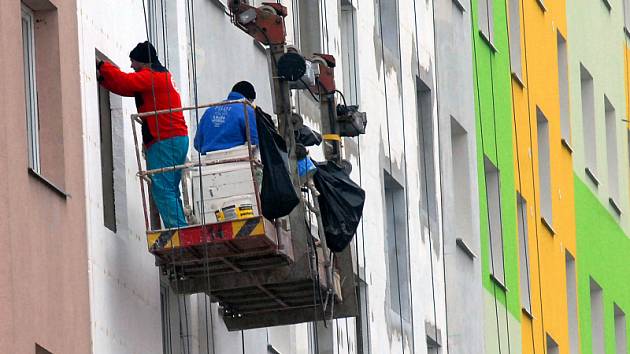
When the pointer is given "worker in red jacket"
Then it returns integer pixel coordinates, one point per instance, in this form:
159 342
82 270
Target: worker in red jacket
165 135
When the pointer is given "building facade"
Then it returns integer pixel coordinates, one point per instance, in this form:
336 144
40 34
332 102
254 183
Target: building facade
495 166
599 122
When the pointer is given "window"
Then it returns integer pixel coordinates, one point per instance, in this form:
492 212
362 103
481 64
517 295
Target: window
597 318
493 199
349 52
41 350
460 5
166 321
486 20
588 124
515 39
398 277
572 303
621 338
611 154
43 111
310 27
544 167
563 83
461 184
552 346
30 88
158 27
388 16
107 157
607 4
428 176
434 338
523 239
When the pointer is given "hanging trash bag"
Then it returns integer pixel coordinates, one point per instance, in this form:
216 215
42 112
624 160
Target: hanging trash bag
277 195
340 203
307 137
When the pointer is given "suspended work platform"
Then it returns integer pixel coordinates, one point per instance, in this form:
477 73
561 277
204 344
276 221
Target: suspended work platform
247 267
262 273
226 247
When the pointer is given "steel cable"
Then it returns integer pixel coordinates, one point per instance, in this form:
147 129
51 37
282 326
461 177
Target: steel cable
523 225
383 66
529 113
158 139
494 286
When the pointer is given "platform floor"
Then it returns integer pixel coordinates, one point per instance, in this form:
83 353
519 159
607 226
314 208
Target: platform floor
231 246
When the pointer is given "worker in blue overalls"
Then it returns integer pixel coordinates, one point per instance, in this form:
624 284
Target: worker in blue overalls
224 127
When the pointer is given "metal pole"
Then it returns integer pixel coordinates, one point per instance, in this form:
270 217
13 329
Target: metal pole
248 134
135 116
186 165
144 198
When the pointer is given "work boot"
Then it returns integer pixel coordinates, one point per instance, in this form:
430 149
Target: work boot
163 239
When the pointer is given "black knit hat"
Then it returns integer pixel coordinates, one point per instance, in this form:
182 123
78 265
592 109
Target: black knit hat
246 89
145 53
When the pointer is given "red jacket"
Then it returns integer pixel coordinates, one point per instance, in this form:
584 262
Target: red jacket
143 85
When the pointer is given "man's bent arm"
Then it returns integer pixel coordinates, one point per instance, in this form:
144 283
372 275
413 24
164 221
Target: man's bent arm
124 84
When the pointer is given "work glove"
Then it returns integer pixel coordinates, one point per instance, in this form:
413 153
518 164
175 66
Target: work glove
99 63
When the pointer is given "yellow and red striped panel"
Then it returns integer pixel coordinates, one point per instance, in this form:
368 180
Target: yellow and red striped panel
212 233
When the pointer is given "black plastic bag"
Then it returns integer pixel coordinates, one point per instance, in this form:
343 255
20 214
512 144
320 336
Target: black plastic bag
341 204
277 195
307 137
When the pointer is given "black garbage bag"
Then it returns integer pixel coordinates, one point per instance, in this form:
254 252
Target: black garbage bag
307 137
277 195
341 204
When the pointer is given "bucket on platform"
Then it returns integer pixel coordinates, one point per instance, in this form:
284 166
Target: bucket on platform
234 212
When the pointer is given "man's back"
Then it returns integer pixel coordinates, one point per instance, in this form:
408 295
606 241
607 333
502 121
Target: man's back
223 127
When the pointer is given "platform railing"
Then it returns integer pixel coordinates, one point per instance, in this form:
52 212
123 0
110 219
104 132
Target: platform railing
145 174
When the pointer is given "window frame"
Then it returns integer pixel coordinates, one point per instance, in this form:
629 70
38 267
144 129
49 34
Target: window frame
572 294
563 90
552 346
426 155
461 185
621 331
386 39
515 35
598 335
589 126
397 251
486 22
30 89
349 52
524 268
492 179
545 179
108 184
612 154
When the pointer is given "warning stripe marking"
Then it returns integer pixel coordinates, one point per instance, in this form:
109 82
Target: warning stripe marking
213 232
245 228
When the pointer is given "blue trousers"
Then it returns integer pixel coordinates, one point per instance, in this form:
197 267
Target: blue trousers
165 186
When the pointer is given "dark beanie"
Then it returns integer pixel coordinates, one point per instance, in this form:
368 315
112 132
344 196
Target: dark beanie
145 53
246 89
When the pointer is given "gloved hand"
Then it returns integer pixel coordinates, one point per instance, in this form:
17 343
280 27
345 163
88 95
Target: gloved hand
99 63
